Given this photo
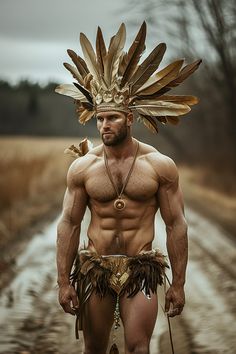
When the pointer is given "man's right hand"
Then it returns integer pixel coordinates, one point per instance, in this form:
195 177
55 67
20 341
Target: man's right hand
68 299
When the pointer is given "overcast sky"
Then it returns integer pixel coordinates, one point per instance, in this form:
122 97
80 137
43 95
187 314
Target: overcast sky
34 35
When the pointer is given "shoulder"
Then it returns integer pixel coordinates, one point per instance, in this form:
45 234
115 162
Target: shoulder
163 165
80 166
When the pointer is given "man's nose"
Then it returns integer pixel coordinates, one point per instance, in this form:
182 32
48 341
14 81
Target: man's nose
106 124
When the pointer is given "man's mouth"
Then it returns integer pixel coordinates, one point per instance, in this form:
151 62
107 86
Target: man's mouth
107 133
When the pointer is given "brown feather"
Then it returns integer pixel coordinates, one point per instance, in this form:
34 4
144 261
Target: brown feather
163 108
71 91
161 79
75 73
89 56
134 53
148 67
85 116
149 122
173 120
189 100
111 61
79 62
85 92
185 73
123 63
100 50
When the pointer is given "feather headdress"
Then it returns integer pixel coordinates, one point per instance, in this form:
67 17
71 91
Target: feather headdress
111 79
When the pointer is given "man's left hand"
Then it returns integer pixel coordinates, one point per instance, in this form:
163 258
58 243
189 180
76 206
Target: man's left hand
175 300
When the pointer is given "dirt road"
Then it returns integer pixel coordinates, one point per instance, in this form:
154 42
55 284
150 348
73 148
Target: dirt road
31 321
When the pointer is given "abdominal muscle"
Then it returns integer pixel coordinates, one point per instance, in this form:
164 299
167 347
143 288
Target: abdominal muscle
127 232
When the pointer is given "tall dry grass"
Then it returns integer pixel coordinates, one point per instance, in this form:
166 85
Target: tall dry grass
32 181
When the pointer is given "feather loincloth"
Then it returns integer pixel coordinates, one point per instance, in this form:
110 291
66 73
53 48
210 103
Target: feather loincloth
116 275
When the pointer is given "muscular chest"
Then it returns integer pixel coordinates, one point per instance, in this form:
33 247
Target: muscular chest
141 184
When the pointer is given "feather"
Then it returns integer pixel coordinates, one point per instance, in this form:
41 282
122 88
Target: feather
79 62
71 91
148 67
173 120
149 122
111 41
100 50
75 73
163 120
163 108
134 53
189 100
90 57
85 92
87 105
111 62
81 149
161 79
122 63
85 116
185 72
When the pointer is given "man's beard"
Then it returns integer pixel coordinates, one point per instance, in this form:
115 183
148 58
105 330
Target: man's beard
115 139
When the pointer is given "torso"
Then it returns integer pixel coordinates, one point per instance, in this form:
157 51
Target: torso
131 230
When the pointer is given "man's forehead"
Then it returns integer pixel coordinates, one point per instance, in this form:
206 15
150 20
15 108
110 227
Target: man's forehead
109 114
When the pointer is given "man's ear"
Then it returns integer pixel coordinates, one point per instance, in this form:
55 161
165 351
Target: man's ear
130 119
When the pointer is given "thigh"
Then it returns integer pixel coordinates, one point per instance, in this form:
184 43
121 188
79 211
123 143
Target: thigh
138 315
98 320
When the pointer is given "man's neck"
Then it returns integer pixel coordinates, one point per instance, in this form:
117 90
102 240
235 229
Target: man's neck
122 150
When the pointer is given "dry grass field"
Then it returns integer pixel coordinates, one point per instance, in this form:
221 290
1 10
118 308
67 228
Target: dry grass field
32 181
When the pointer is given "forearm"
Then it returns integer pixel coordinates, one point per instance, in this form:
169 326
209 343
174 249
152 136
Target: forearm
67 246
177 247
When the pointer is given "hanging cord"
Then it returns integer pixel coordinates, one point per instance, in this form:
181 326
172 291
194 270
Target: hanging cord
114 349
119 194
168 319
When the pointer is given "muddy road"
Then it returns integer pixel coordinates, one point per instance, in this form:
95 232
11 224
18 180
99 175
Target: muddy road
31 321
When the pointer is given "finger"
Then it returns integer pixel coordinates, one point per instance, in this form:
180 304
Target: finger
67 308
174 312
74 299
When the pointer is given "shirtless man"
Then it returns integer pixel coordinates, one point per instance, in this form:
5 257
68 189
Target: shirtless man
153 184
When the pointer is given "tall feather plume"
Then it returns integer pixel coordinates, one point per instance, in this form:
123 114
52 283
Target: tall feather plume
100 50
75 73
161 79
79 63
90 57
134 54
111 62
148 67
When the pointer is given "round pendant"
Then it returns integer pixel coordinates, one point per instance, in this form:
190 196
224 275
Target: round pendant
119 204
